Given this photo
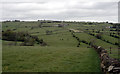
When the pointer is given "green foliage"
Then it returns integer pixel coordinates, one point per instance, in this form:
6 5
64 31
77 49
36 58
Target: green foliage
9 35
27 39
28 42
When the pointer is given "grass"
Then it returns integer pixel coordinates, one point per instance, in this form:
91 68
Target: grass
49 59
88 38
61 54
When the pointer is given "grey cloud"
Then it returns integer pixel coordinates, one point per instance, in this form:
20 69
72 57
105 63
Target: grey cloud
57 0
66 10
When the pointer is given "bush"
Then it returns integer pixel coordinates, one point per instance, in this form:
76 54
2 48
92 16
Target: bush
77 45
116 43
9 35
27 39
83 41
73 35
28 42
98 36
41 41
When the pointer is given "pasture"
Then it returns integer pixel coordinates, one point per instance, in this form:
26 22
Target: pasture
61 53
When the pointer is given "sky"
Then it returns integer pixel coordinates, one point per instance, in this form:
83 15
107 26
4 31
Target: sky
63 10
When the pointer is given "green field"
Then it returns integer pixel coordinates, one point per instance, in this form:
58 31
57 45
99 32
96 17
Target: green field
61 53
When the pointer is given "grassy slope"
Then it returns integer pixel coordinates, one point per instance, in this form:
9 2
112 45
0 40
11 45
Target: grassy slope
87 37
58 56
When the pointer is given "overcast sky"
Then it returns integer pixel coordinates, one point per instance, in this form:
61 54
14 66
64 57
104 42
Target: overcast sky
70 10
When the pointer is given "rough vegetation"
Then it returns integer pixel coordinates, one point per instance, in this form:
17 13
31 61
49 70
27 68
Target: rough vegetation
26 38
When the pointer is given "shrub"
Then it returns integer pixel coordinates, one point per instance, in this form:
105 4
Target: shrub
98 36
9 35
28 42
41 41
77 45
83 41
116 43
73 35
27 39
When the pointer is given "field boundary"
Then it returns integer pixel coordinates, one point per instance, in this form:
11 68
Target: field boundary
108 64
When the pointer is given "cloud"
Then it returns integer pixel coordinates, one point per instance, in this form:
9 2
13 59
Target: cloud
58 0
59 10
